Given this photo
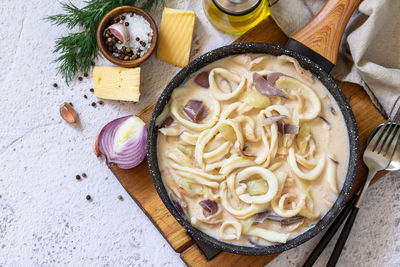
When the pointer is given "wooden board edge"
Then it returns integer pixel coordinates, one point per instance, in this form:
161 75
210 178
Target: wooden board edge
193 257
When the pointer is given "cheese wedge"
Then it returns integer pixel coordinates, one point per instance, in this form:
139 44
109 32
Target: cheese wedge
176 34
117 83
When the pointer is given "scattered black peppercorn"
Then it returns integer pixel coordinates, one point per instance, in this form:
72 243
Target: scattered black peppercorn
91 90
126 24
120 198
142 43
85 74
55 85
80 78
123 17
85 96
137 39
101 102
88 197
84 175
93 104
78 177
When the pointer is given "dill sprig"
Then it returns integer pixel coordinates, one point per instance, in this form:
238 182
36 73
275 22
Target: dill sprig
79 50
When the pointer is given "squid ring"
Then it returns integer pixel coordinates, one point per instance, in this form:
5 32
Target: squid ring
216 91
266 175
311 175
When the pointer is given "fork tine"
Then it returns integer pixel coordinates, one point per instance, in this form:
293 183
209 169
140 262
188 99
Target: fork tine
392 145
377 137
383 142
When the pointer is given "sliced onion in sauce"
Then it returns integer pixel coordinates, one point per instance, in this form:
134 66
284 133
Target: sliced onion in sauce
291 129
167 122
274 76
267 87
274 118
177 205
209 206
284 128
254 243
334 160
324 119
196 110
202 79
244 154
268 215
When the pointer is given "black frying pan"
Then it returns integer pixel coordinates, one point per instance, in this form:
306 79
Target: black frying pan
315 47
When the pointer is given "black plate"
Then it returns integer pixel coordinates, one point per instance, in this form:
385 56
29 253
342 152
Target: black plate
258 48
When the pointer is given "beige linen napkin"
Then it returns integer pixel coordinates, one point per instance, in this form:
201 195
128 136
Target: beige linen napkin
370 50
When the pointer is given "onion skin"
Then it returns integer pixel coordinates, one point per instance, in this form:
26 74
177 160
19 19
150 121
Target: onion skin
284 128
196 110
268 215
334 161
177 205
324 119
167 122
131 155
273 77
267 86
209 206
202 79
274 118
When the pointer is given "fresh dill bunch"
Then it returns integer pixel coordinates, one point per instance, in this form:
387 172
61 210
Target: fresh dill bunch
79 50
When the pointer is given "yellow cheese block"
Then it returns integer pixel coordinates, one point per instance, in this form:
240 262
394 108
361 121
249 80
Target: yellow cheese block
117 83
176 34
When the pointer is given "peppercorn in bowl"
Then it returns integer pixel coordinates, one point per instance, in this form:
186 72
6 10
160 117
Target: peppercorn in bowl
127 36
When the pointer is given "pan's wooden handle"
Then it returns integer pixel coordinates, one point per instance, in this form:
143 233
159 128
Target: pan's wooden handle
324 32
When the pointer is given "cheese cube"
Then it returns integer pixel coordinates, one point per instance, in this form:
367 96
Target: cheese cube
117 83
176 34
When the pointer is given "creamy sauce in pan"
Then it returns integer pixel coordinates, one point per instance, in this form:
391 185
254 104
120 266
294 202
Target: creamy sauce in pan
264 183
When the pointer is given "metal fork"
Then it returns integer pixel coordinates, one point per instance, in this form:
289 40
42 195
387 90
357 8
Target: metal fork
377 157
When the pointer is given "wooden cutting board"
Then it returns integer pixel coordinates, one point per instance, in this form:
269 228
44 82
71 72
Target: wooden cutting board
138 183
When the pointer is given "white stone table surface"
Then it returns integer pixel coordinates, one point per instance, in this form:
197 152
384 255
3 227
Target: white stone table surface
45 219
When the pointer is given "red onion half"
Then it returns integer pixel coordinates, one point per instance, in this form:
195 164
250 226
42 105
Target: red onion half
128 152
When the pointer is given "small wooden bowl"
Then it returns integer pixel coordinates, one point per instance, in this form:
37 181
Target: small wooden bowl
104 23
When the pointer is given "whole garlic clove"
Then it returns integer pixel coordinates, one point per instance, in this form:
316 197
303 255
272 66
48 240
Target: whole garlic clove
120 31
68 113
